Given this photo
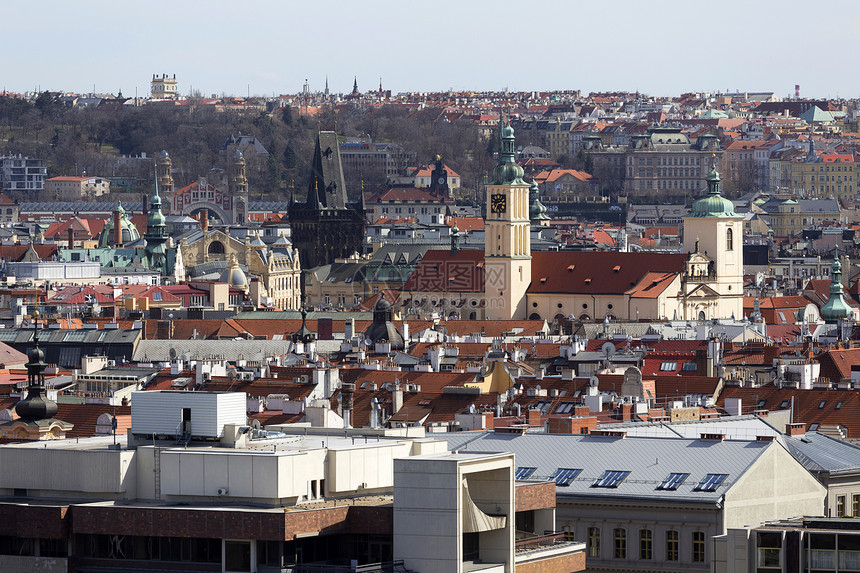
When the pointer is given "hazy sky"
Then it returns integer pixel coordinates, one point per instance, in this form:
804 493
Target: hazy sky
660 47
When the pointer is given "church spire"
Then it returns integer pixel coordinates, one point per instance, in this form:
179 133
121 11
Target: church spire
835 309
36 406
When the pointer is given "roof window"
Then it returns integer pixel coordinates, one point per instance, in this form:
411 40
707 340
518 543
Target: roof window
673 481
610 478
524 472
564 476
711 482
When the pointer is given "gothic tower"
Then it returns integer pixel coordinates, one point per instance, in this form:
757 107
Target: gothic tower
507 246
238 188
713 236
327 226
164 177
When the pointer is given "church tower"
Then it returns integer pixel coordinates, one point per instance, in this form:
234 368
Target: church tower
507 243
156 234
713 236
238 188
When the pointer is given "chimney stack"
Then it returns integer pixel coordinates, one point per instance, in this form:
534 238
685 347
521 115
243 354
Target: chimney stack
204 220
117 228
347 392
71 237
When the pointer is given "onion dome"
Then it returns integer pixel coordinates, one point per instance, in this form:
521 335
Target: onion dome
36 406
507 172
537 210
382 328
835 309
713 204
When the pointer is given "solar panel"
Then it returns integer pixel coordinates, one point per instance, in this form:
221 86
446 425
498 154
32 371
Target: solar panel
711 482
524 473
564 476
610 478
673 481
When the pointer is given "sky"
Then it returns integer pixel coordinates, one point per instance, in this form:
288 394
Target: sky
659 47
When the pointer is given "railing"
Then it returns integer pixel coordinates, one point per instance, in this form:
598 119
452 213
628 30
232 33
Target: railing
541 541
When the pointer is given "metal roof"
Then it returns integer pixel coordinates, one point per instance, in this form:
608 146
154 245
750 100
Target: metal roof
649 461
820 453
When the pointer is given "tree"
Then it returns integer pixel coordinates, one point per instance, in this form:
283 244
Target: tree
287 115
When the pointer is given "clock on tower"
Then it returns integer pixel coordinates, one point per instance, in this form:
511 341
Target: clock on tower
498 203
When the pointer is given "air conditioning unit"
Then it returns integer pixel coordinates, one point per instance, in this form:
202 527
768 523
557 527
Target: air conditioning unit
222 491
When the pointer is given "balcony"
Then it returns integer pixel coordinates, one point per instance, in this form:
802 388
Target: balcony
547 550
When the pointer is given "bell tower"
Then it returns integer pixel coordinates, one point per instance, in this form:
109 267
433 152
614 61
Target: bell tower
507 243
238 186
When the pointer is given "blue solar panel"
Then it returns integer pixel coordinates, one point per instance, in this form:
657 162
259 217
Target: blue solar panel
711 482
524 473
673 481
563 476
610 478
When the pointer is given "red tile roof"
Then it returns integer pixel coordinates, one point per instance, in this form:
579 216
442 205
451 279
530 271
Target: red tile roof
441 271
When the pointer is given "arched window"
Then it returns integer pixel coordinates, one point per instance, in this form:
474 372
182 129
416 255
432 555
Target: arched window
730 239
216 248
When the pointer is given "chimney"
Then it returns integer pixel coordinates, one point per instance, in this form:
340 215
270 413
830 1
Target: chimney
204 220
795 429
533 417
71 237
396 398
626 412
117 229
582 425
348 329
581 411
347 391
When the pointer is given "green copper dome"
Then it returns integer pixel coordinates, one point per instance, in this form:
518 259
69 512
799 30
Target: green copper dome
713 204
835 309
507 172
537 210
128 232
155 218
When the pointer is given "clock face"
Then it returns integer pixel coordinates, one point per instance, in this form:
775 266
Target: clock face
441 181
498 203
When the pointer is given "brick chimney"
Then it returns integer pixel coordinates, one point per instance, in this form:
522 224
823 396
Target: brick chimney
581 411
533 417
71 237
795 429
204 220
117 229
626 412
578 425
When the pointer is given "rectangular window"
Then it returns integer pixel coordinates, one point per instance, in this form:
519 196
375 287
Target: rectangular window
564 476
610 478
645 544
524 472
673 481
671 545
840 506
855 505
620 543
698 547
711 482
593 542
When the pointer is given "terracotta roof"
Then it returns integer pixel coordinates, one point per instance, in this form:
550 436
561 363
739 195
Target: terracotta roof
441 271
407 195
597 272
652 285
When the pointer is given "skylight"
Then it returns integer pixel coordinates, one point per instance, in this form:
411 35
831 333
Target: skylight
673 481
668 366
524 473
564 476
821 404
610 478
711 482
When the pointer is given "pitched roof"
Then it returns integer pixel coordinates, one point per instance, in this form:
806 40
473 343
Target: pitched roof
442 271
597 272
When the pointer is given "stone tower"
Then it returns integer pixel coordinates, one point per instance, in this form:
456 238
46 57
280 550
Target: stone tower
507 246
327 225
238 188
164 177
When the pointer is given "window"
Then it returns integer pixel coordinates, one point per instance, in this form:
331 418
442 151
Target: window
620 536
668 366
645 544
698 547
156 296
689 367
610 478
524 472
711 482
760 404
784 404
593 542
855 505
564 476
840 506
821 404
838 406
730 239
673 481
672 545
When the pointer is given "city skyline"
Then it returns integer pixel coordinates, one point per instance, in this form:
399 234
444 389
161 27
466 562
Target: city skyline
672 48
